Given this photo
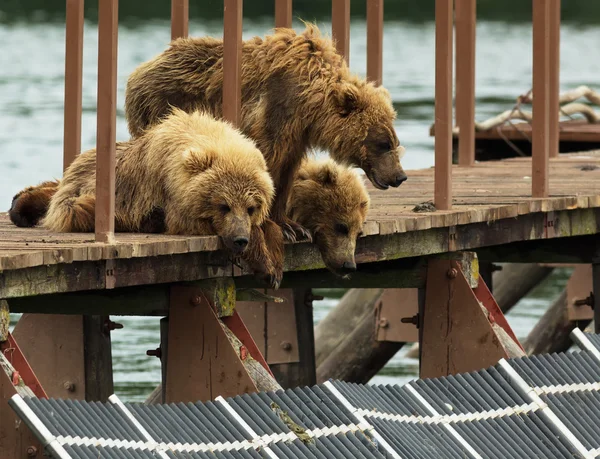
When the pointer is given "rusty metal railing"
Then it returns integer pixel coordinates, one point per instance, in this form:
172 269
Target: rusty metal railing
546 44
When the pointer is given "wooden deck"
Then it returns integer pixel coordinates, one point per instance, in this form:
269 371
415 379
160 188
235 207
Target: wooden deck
491 207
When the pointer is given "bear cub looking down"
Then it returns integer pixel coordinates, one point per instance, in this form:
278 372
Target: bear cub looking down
332 202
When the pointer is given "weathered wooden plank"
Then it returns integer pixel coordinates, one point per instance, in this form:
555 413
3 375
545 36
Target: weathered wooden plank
79 276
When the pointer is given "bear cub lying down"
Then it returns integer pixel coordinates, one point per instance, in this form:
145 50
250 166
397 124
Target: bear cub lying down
190 174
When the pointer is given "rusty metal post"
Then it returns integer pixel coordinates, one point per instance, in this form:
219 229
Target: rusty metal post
554 86
283 13
541 103
465 80
340 27
107 119
443 104
73 81
180 14
596 295
232 61
375 41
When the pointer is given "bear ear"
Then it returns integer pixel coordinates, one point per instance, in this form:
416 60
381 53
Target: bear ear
196 161
327 176
347 100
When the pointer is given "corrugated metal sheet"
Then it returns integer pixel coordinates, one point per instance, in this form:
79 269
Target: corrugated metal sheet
543 406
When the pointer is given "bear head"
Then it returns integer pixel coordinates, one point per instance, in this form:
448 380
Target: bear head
332 202
357 128
232 195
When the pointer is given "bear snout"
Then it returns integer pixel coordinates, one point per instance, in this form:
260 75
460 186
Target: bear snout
240 243
400 178
348 267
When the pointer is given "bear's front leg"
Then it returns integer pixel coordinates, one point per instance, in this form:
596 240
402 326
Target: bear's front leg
292 231
265 252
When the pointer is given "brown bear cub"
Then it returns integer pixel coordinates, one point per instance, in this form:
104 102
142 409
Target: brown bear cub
332 202
297 94
190 175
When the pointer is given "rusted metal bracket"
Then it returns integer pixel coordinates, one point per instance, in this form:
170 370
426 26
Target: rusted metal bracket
22 370
550 223
396 317
109 274
463 327
273 326
580 298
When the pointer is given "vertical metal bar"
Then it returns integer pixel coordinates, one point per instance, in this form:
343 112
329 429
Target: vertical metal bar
554 77
232 61
596 290
465 80
443 104
375 41
541 108
180 14
107 121
73 81
283 13
340 27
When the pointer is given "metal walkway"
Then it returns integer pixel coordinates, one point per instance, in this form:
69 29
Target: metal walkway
543 406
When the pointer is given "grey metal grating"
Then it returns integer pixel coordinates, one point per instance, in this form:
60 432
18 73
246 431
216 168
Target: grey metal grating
542 406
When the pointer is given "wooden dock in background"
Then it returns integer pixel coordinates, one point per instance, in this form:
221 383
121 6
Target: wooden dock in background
515 139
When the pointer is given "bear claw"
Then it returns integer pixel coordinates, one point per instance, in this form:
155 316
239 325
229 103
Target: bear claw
293 232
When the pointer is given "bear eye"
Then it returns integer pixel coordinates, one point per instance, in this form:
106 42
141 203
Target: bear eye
384 146
341 229
251 210
224 208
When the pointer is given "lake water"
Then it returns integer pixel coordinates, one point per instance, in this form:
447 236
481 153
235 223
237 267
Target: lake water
31 120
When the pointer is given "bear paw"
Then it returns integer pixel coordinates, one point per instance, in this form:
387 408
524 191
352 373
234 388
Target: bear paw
294 232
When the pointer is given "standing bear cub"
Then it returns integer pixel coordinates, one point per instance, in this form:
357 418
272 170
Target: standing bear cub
297 94
188 175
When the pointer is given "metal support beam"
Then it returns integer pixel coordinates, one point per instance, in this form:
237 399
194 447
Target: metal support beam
375 41
541 102
204 357
283 13
465 80
73 81
443 104
596 286
232 61
70 354
180 13
107 120
554 86
17 441
340 27
462 329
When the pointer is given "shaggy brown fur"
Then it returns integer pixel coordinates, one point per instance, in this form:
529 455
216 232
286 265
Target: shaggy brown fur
29 206
297 94
332 202
188 175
